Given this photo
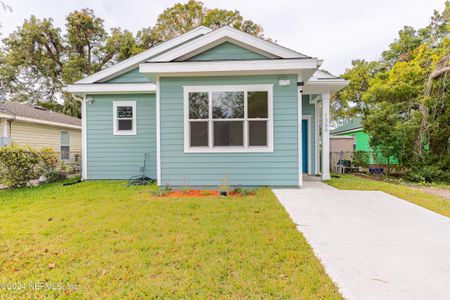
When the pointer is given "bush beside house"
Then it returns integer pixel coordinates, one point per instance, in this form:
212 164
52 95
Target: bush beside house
20 165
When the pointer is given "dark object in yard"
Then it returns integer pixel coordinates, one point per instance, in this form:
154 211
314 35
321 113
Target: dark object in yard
335 176
141 179
72 183
376 171
223 193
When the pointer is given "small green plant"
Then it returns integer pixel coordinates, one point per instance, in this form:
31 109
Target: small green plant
162 191
242 191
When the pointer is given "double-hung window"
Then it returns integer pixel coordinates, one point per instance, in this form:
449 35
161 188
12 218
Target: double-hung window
65 145
228 118
124 117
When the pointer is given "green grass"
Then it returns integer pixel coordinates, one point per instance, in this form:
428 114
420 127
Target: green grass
426 200
114 241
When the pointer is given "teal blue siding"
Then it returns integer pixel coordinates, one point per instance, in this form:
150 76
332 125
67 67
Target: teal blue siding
278 168
227 51
114 156
309 109
132 76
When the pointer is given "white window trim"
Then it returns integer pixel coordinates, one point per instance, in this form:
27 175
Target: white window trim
115 120
229 149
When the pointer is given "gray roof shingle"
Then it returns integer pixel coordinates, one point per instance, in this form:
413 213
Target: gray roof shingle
36 112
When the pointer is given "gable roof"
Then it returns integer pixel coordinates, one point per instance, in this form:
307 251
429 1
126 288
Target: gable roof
227 34
352 125
35 113
134 61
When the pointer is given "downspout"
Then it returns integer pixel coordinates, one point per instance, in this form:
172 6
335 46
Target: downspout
83 135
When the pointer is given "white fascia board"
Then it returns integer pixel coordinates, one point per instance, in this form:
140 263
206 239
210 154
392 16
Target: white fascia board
110 88
141 57
324 86
44 122
245 67
227 32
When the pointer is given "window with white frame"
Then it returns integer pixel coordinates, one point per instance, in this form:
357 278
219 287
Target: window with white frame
65 145
228 118
124 118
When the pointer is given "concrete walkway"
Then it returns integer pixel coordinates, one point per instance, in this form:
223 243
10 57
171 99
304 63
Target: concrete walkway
373 245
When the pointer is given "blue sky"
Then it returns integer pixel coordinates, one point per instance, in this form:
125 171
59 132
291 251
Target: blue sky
336 31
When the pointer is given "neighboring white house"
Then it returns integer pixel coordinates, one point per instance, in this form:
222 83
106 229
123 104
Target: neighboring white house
37 127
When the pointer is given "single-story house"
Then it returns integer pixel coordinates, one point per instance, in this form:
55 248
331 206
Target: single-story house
37 127
354 128
208 106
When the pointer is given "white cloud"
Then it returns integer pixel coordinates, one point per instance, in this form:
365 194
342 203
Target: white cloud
336 31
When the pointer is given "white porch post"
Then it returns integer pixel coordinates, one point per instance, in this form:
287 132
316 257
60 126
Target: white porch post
325 136
316 138
300 137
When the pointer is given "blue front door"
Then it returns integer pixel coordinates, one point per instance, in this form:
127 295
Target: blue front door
305 145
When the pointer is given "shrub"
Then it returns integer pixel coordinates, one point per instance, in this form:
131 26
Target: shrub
48 160
361 159
18 165
54 176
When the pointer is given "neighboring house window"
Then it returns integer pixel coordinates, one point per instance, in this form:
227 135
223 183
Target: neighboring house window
228 118
65 145
124 118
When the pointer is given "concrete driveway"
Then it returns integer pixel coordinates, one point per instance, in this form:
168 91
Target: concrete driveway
373 245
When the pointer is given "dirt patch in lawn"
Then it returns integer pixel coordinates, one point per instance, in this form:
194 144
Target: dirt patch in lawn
444 193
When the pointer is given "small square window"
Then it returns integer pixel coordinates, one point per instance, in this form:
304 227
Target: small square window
124 118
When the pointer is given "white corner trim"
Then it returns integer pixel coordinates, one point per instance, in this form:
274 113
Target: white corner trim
299 135
135 60
309 130
116 131
232 33
249 67
158 133
107 88
84 157
228 88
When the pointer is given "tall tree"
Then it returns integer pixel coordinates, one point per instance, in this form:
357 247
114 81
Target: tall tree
404 97
181 18
39 60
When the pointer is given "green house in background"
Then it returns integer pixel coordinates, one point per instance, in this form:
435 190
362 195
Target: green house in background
355 128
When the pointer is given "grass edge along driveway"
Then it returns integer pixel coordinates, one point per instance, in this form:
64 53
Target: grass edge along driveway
426 200
114 241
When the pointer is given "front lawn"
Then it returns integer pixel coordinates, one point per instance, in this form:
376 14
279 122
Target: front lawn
107 240
427 200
